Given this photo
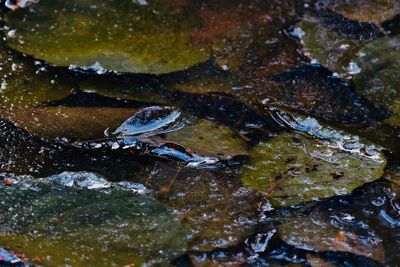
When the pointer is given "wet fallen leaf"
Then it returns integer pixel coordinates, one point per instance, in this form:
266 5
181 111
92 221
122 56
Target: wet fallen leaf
137 88
379 77
55 224
326 46
293 168
21 152
317 233
314 90
241 32
68 122
152 38
208 138
376 11
251 123
212 203
199 261
23 82
316 261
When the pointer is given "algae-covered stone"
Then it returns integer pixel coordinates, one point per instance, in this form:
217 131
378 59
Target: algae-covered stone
122 36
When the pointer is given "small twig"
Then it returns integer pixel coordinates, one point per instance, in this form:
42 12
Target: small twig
283 177
167 189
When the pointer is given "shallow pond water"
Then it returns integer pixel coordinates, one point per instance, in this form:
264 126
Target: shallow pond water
199 133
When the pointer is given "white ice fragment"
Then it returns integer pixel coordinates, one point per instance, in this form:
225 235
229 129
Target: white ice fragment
261 241
201 161
82 180
15 67
264 101
298 32
3 85
140 2
361 54
19 3
96 67
330 137
136 188
225 67
11 33
353 68
267 207
115 145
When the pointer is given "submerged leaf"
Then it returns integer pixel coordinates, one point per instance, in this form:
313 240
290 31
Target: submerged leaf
122 36
376 11
151 121
316 261
241 32
314 90
326 46
81 226
380 75
23 82
131 87
21 152
212 203
68 122
293 168
320 234
208 138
